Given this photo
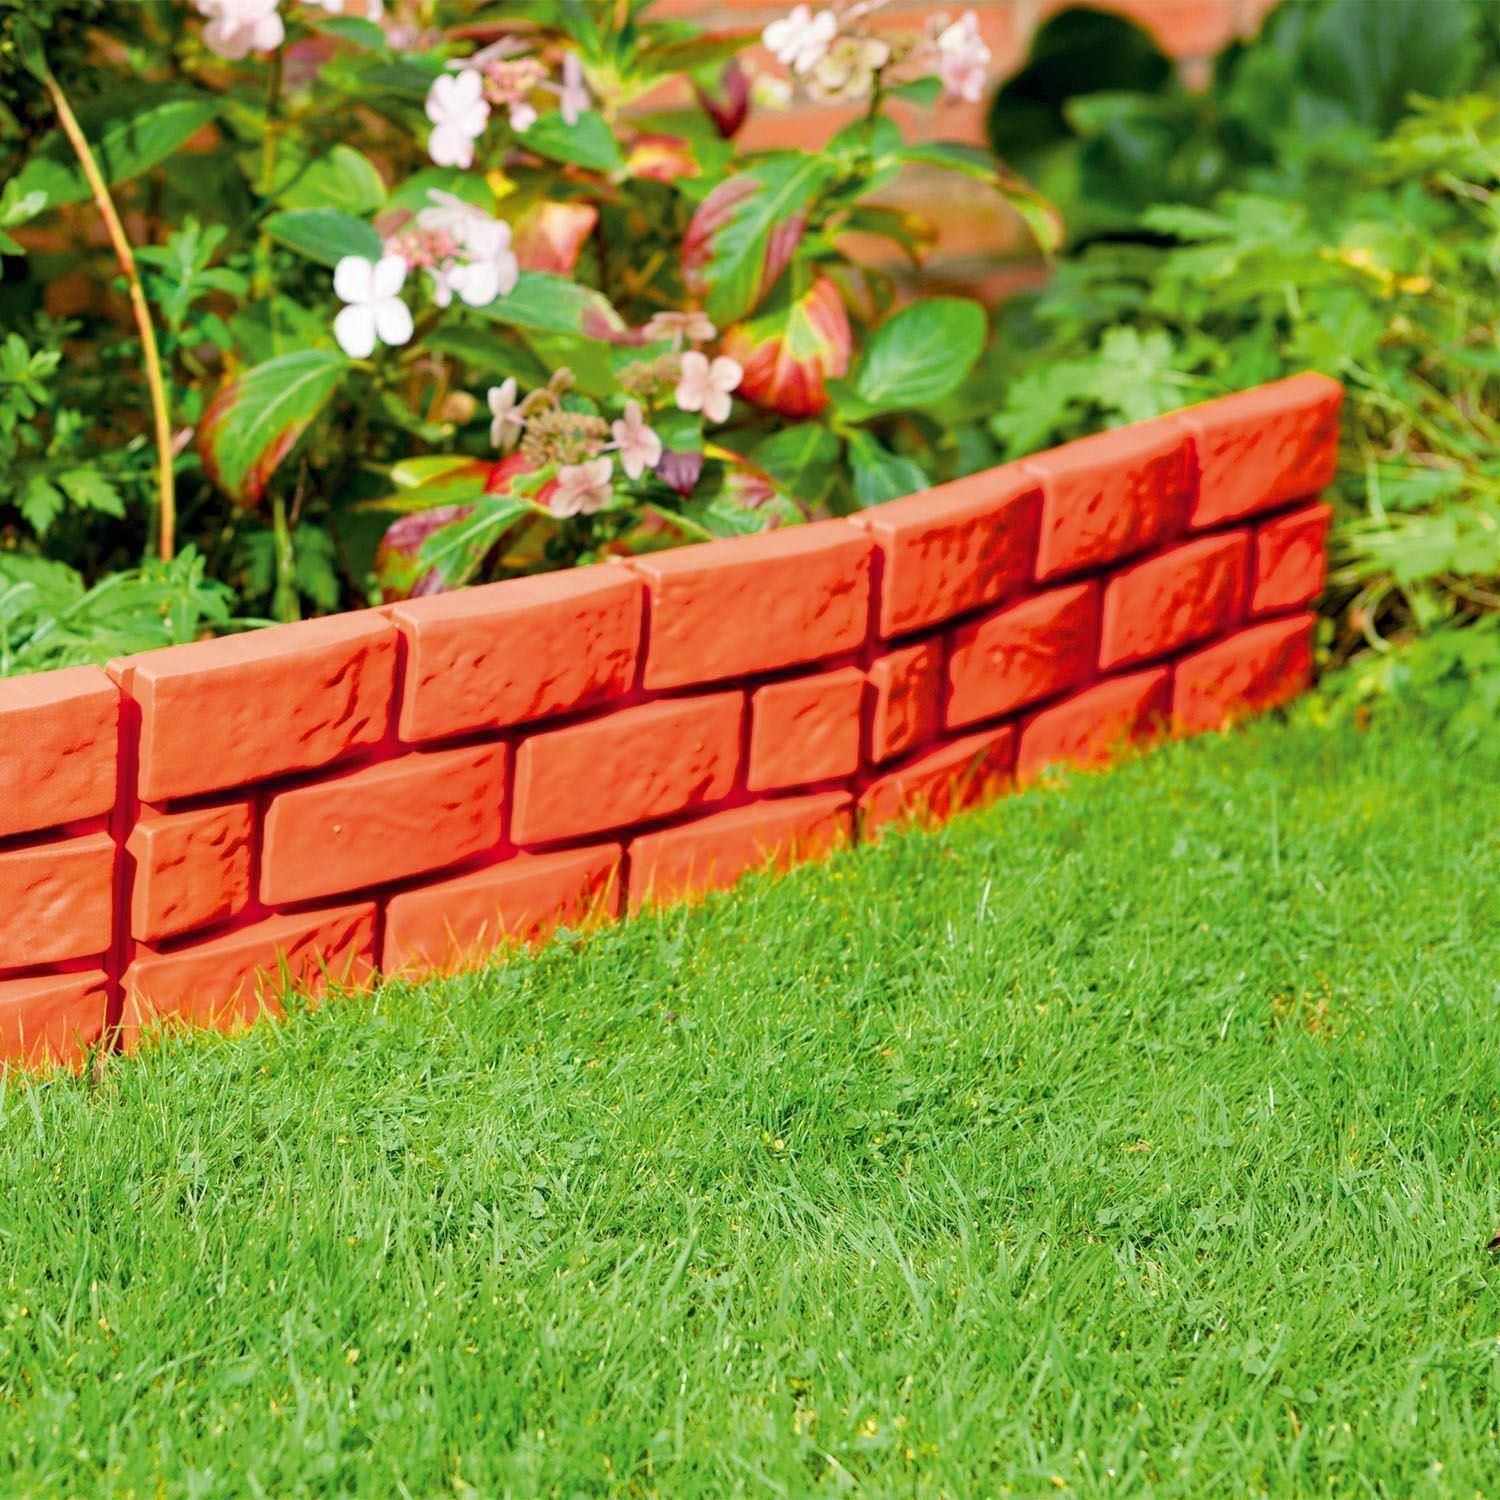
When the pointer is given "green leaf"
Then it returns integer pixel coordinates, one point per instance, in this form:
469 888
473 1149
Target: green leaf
879 474
801 459
413 193
1038 214
736 223
589 143
41 503
485 354
355 30
324 235
458 551
257 419
126 144
341 178
921 354
91 490
546 303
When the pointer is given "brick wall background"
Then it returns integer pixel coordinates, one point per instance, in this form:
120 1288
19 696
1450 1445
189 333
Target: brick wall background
975 231
402 789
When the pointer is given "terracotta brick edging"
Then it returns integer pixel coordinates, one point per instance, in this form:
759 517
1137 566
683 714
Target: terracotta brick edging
402 790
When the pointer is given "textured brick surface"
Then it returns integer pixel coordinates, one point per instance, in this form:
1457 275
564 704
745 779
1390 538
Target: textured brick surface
1289 553
456 923
51 1017
56 901
1107 497
805 730
712 853
641 763
507 653
904 693
1259 449
261 704
1182 596
964 773
755 604
953 548
389 821
1246 674
1094 726
451 774
192 869
234 978
58 745
1022 654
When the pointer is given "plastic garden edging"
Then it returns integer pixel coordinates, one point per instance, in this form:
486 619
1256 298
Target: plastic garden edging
403 789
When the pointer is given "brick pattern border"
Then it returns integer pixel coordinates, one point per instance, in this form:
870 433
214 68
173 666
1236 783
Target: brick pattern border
401 790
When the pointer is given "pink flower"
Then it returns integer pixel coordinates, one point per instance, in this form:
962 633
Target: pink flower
693 327
706 387
506 425
638 446
375 311
572 93
237 28
582 489
483 265
457 107
800 40
963 58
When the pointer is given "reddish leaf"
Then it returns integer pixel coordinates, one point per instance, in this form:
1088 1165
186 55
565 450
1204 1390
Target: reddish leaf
791 353
728 111
551 236
661 158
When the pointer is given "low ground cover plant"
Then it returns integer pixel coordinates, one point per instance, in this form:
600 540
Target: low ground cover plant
416 293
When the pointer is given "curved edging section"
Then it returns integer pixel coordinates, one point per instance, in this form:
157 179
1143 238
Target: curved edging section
402 789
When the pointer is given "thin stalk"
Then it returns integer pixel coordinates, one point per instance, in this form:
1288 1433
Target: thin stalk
284 603
261 282
166 500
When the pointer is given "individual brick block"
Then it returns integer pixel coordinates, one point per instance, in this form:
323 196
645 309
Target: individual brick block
56 901
59 741
456 923
232 979
964 773
1091 728
1188 594
221 713
419 812
1109 496
1020 655
192 869
508 653
904 699
1246 674
52 1018
805 730
755 603
645 762
1260 448
1290 553
953 548
712 853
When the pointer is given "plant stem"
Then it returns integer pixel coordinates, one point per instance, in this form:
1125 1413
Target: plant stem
284 604
261 282
166 502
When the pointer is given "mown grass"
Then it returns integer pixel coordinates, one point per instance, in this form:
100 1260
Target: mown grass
1137 1137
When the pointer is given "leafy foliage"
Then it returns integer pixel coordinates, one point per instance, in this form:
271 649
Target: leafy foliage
568 247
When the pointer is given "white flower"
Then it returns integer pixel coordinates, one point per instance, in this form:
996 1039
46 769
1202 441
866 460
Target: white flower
572 93
963 58
375 311
847 72
705 387
489 267
522 117
693 326
506 425
582 488
237 28
799 40
457 107
638 446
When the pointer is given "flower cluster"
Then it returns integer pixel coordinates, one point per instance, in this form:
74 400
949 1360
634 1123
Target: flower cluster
582 449
836 58
500 76
236 28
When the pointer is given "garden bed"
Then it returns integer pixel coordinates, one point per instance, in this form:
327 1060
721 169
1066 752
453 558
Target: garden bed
402 789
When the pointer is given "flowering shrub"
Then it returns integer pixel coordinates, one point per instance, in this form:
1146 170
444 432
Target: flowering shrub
416 292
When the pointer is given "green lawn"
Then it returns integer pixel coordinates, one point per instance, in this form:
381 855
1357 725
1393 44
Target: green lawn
1136 1137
